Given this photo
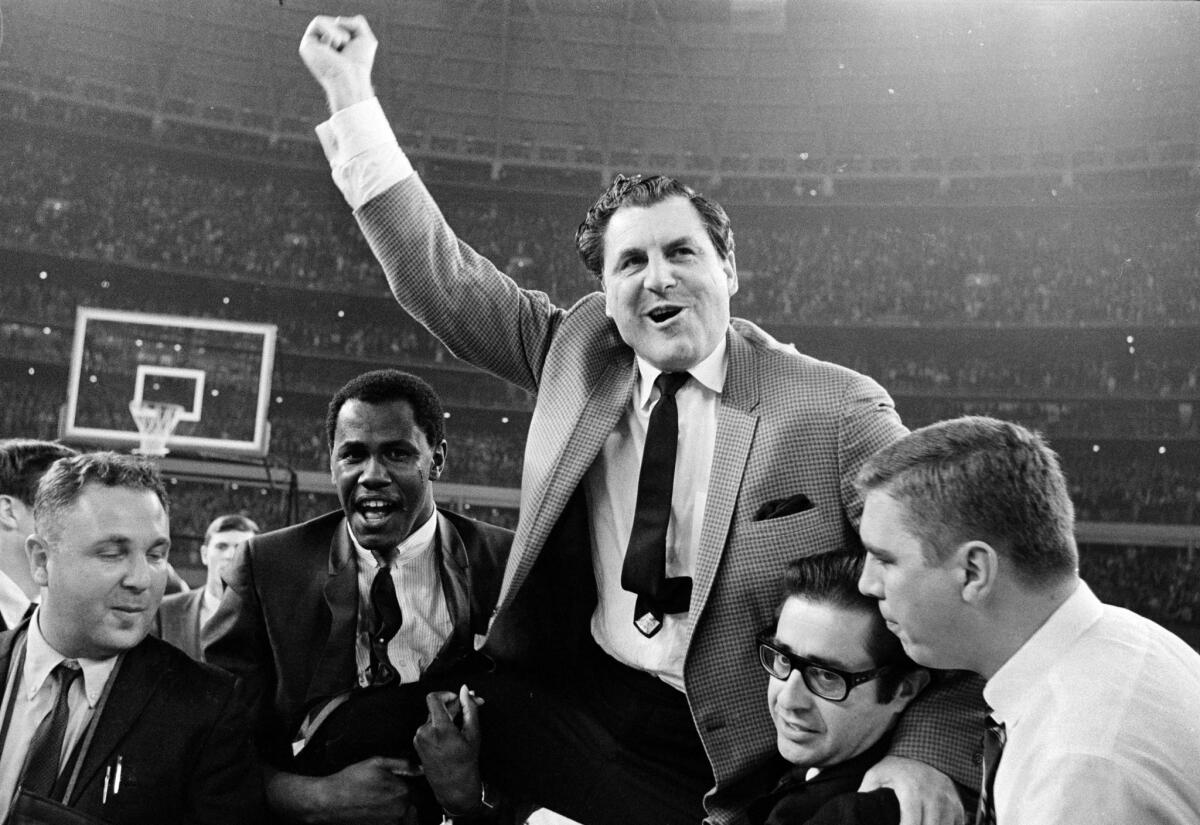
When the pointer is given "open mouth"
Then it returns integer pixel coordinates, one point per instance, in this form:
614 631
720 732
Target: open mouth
660 315
375 511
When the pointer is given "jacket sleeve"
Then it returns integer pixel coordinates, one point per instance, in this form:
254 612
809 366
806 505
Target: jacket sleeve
235 639
944 728
225 785
478 312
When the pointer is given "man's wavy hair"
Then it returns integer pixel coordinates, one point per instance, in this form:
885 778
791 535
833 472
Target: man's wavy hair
639 190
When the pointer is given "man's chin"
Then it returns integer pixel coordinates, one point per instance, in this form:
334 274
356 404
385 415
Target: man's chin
376 537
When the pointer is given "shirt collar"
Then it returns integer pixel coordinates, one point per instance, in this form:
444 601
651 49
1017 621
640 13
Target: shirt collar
41 659
13 601
418 542
710 373
1013 685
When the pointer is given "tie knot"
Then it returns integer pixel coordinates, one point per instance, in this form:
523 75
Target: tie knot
66 672
668 383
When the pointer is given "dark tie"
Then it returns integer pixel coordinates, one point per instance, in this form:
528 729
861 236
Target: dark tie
382 624
644 570
45 749
994 737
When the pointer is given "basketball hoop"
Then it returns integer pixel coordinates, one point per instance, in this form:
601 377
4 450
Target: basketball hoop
155 422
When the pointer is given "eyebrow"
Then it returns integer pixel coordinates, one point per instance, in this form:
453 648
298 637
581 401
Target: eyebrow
878 552
669 246
823 661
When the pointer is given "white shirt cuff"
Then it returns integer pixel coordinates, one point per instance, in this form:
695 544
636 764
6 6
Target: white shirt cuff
363 154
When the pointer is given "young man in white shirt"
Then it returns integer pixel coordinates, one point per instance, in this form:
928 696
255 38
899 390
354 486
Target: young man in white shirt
972 556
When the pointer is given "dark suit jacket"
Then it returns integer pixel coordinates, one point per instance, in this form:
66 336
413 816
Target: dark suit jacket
182 734
787 426
831 797
179 622
288 619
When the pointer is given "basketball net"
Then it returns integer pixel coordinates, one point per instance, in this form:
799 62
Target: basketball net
155 422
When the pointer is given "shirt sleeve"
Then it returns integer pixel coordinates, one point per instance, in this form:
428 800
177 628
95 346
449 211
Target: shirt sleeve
364 156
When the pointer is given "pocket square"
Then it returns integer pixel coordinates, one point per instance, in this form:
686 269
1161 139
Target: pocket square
783 507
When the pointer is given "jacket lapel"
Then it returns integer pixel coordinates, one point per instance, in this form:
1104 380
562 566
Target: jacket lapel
456 586
341 597
137 679
737 421
7 638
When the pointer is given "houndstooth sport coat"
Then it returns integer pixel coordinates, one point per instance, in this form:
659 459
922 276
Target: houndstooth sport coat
787 425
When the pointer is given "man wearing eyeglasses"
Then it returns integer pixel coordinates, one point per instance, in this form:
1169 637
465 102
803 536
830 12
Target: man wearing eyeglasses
839 683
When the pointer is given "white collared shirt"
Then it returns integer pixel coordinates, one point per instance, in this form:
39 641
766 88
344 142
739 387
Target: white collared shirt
13 601
33 697
1101 709
418 580
611 486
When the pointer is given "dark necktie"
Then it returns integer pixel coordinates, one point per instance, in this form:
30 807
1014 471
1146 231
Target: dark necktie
644 569
382 624
45 749
994 738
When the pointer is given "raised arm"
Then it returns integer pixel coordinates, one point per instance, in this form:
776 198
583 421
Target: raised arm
480 314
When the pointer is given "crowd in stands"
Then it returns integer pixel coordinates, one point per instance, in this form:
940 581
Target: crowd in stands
796 266
1160 583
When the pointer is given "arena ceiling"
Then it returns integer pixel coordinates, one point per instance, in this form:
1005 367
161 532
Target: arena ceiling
716 78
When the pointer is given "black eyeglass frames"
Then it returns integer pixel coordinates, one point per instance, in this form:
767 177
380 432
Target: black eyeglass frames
822 680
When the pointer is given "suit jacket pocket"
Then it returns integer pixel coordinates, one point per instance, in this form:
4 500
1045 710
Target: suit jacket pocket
780 507
795 535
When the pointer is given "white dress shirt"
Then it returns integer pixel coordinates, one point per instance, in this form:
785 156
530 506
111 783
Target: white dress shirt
1102 712
418 580
366 160
611 486
13 601
33 693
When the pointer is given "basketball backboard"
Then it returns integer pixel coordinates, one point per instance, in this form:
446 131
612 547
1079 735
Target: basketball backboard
218 371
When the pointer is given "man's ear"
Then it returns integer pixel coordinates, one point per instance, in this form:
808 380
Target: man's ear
979 564
730 267
438 460
37 550
911 686
8 512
